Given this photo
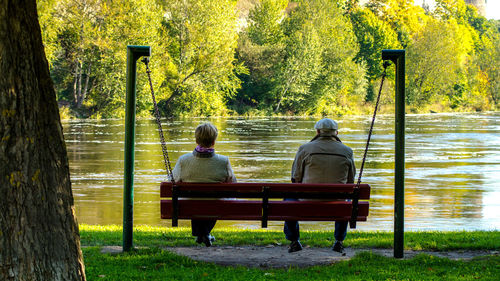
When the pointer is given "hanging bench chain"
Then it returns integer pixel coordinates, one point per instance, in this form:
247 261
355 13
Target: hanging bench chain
386 64
355 200
166 159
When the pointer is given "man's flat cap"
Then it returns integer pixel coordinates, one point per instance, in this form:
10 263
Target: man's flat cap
326 124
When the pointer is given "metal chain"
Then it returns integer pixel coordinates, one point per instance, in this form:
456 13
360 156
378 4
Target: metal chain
166 159
386 64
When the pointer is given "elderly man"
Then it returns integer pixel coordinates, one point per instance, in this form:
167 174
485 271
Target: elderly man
325 159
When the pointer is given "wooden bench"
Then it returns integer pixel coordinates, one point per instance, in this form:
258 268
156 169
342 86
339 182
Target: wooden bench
202 201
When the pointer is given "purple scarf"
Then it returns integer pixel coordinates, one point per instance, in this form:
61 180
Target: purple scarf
202 149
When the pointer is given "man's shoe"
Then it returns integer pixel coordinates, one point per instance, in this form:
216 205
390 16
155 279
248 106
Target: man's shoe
295 246
338 247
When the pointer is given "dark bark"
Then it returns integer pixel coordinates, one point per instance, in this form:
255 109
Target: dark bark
39 237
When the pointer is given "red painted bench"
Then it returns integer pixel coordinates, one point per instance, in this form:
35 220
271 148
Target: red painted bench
202 201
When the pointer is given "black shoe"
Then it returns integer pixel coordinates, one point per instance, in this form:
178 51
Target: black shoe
338 247
201 239
211 238
208 239
295 246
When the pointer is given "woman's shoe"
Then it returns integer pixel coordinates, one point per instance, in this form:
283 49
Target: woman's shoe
207 240
199 239
212 239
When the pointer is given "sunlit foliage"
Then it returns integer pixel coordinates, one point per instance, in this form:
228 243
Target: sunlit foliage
318 57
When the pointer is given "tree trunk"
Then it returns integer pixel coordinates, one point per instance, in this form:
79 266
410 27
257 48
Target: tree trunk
75 83
281 97
39 237
85 88
79 86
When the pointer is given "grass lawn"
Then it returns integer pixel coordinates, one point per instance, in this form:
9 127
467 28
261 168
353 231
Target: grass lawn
154 263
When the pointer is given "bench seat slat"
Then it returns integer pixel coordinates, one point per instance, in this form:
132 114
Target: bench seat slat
364 192
252 210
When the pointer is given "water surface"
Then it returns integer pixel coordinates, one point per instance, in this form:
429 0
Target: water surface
451 178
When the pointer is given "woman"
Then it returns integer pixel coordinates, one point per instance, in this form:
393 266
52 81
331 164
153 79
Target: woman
204 165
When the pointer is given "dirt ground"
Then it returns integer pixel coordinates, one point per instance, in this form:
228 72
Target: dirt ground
278 256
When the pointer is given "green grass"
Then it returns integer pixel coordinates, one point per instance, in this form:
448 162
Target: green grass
154 263
149 236
157 264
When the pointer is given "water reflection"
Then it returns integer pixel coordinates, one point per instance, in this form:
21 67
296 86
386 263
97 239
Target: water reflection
452 165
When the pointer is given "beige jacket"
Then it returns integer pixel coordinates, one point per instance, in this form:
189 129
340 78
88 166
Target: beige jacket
324 160
197 167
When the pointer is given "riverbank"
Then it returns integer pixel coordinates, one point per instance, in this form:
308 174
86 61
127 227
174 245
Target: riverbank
364 110
463 255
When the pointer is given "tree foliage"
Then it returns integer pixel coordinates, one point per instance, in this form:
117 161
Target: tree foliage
200 39
373 35
269 56
307 65
261 49
436 72
90 51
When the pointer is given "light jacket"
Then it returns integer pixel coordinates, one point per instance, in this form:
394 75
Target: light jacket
203 167
325 159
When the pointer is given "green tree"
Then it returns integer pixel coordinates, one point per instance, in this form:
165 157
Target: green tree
485 73
87 43
447 9
436 62
200 38
404 17
301 67
74 63
476 90
126 22
265 22
49 25
373 35
318 74
260 48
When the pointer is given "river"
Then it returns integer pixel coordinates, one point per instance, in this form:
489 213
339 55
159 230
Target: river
452 176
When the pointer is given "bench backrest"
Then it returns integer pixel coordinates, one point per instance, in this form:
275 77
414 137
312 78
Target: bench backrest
266 191
273 190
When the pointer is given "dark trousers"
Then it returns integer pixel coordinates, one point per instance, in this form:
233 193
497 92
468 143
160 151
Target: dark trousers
202 227
292 229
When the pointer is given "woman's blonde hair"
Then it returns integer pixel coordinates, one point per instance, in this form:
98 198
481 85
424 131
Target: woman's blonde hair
206 134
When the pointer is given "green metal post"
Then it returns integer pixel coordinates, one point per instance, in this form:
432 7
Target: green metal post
133 54
398 58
